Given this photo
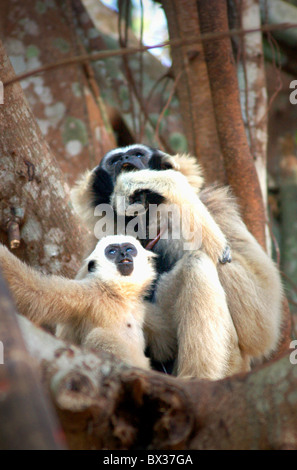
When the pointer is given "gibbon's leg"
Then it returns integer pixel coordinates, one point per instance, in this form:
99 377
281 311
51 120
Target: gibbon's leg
127 351
254 294
207 341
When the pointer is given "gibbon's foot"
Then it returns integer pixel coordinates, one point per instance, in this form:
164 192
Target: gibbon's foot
226 258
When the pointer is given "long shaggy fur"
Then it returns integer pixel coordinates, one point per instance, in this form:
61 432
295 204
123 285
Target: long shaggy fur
213 318
100 309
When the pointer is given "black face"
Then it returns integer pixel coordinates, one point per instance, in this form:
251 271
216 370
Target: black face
122 255
132 158
135 157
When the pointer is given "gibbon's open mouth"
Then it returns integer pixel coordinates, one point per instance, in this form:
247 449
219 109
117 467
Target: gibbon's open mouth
155 240
128 167
125 267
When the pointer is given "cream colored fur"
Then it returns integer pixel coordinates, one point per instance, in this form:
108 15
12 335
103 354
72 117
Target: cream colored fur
100 309
214 318
176 189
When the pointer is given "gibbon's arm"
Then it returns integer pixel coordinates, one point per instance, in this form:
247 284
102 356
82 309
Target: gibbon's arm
175 188
43 298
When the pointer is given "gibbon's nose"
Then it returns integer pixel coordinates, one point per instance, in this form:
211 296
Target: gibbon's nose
128 162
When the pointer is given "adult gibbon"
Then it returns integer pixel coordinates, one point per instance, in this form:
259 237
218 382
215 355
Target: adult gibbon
223 314
102 308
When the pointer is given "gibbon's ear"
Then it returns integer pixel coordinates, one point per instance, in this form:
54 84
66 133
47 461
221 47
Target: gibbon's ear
101 187
91 266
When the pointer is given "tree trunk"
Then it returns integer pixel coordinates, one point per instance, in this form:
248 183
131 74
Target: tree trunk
104 404
65 102
254 93
288 193
278 11
239 165
193 89
33 194
28 421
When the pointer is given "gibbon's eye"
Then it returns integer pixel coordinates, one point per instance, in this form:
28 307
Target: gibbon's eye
113 160
131 250
139 155
92 266
111 251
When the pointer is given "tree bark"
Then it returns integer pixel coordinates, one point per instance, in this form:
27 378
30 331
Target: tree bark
28 420
65 102
278 11
33 193
254 95
104 404
239 165
288 194
193 89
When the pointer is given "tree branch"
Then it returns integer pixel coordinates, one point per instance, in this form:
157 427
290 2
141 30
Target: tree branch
134 50
104 404
193 89
239 164
27 418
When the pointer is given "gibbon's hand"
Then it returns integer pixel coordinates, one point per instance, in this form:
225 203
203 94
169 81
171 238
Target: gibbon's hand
226 257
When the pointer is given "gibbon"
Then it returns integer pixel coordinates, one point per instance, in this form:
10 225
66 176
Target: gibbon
102 308
222 314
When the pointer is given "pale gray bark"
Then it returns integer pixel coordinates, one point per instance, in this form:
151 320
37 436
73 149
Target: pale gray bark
32 188
277 11
254 94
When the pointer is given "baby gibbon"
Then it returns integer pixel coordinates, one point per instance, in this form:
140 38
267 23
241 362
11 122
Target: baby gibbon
102 308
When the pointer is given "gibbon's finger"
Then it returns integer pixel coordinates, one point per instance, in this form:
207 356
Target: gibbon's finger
226 257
